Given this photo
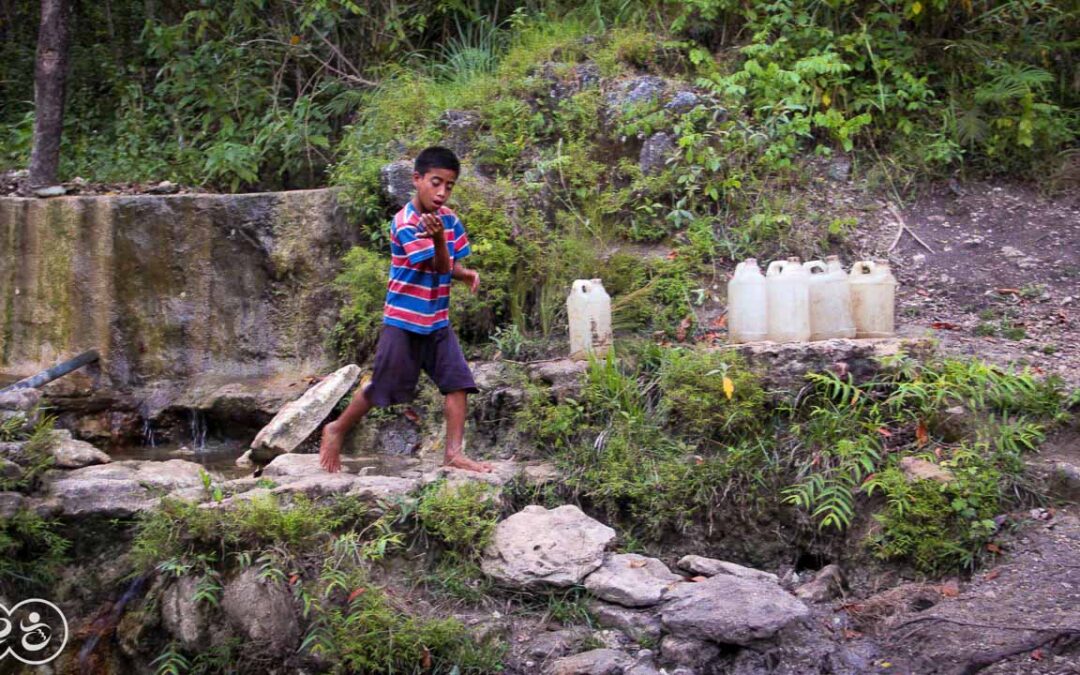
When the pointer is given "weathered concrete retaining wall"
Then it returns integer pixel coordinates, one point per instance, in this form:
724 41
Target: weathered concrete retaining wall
168 287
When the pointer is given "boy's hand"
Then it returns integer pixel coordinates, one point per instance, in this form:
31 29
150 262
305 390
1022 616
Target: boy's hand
472 277
432 227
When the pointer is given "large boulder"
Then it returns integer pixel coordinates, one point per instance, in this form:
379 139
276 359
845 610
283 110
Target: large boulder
730 610
184 618
655 152
120 489
631 580
538 548
70 453
710 567
295 422
396 181
263 611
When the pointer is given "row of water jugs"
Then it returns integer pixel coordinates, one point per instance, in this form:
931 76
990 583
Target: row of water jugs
817 300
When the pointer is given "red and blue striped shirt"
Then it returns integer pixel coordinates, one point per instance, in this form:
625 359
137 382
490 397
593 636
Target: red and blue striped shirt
418 297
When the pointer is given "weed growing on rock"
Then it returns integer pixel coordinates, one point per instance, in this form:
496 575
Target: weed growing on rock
32 552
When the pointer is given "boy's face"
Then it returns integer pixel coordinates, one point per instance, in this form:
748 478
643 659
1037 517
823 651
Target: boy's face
433 188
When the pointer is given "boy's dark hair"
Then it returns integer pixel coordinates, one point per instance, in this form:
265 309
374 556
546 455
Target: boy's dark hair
436 157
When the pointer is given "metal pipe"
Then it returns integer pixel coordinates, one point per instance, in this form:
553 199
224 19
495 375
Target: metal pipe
59 370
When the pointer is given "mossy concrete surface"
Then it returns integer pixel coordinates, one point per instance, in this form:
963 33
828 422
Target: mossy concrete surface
168 287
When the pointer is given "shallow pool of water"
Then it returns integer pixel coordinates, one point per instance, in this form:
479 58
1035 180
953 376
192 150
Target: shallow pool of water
216 456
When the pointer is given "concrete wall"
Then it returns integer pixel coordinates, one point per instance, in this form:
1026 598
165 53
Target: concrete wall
169 287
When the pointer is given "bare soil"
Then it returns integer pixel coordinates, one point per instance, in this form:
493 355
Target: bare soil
1002 281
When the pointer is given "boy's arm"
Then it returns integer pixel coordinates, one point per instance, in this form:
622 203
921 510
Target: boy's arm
433 228
465 275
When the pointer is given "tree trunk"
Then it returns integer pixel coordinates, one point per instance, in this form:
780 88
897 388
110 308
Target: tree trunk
50 78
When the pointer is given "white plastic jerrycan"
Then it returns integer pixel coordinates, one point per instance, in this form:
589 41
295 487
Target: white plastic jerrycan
873 293
788 295
830 300
748 317
588 308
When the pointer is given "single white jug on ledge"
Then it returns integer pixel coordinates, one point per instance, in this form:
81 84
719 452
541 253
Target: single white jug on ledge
788 293
830 300
873 293
588 309
748 316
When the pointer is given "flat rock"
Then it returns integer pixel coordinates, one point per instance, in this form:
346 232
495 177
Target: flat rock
562 375
554 643
539 548
636 623
294 465
70 453
22 400
593 662
710 567
915 468
120 489
631 580
730 610
382 488
295 422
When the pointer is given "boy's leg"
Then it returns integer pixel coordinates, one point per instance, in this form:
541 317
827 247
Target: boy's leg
333 435
395 372
445 363
456 406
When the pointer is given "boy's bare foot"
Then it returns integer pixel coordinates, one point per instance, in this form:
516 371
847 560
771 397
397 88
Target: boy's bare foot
330 448
460 461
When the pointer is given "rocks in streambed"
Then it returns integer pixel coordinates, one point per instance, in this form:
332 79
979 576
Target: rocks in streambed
538 548
729 609
631 580
70 453
295 422
119 489
710 567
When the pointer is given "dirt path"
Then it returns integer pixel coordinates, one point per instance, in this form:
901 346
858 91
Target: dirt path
1003 280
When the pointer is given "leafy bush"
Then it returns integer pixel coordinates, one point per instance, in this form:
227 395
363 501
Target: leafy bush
462 517
362 283
32 552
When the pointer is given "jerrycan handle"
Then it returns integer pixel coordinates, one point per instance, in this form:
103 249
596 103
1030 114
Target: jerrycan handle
816 267
777 265
583 286
864 267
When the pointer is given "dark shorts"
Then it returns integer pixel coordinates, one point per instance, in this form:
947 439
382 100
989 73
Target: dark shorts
400 357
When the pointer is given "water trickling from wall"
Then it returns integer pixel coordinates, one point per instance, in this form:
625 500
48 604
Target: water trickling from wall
149 438
198 431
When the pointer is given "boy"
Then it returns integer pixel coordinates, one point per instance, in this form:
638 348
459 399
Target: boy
427 241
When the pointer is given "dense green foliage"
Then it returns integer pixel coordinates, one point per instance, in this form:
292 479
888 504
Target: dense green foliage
657 442
461 516
323 553
32 552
